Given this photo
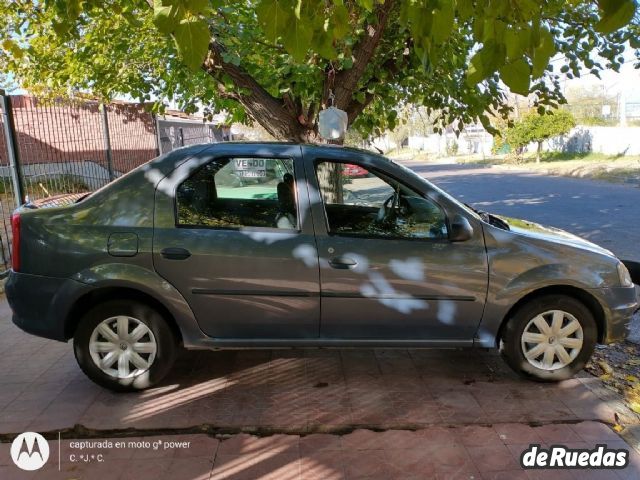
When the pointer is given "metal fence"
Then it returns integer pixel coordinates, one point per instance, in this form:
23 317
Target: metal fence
606 113
68 146
178 133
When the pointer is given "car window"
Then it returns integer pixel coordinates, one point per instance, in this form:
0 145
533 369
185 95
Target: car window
363 202
240 192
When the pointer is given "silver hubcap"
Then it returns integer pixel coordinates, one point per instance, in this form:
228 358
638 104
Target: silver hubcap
552 340
122 347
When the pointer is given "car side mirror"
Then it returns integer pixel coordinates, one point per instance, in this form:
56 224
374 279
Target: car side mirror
461 229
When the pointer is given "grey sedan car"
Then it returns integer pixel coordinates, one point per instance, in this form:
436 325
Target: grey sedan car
261 245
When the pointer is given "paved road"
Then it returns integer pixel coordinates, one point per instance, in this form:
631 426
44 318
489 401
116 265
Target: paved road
606 214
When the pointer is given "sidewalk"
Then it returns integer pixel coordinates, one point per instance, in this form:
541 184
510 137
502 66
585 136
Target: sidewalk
313 414
469 452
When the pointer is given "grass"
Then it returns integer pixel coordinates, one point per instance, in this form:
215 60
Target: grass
409 155
54 184
597 166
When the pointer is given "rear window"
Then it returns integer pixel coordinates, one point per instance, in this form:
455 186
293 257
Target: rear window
240 192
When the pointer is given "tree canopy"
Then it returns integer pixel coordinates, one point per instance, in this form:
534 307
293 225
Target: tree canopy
538 128
277 61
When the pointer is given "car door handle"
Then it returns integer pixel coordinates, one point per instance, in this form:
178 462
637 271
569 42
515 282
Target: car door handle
175 253
342 262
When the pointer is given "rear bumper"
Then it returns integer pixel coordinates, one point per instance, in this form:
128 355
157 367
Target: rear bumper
619 305
41 304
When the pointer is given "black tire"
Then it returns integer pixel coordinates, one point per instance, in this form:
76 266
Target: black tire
511 346
165 341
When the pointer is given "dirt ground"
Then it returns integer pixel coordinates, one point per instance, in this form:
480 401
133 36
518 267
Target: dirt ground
618 366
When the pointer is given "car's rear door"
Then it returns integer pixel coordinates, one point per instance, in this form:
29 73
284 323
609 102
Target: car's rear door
232 234
395 279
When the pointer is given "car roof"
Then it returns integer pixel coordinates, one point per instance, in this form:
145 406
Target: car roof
169 160
314 146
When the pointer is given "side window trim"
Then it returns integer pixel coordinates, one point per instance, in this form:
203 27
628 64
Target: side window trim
375 170
245 228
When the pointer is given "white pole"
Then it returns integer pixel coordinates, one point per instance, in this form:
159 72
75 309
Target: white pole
622 106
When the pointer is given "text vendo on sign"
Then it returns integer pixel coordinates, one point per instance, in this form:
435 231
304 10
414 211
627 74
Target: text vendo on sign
250 167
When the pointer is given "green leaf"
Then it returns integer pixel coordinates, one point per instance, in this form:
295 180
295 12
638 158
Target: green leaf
486 123
615 14
167 14
192 39
297 39
366 4
517 76
340 21
517 42
543 53
69 10
465 9
273 18
13 48
486 61
478 28
196 6
475 72
323 45
442 22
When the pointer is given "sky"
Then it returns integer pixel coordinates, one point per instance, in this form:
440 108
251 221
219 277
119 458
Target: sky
614 83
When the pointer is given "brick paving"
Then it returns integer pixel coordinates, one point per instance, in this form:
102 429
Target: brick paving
314 414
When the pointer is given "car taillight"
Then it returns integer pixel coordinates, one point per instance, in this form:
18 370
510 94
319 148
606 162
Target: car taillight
15 242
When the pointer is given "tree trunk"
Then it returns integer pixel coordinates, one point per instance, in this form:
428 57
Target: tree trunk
538 152
286 118
330 180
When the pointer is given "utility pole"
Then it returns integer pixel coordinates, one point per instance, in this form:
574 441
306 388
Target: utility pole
12 148
622 105
107 141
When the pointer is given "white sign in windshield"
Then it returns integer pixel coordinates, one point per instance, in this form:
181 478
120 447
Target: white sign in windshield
250 167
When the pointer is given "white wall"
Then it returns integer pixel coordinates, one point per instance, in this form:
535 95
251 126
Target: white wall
476 142
582 139
606 140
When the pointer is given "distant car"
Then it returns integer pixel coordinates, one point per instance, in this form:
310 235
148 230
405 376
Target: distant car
178 252
354 171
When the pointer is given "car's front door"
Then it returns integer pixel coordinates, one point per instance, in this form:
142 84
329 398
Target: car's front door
388 270
231 232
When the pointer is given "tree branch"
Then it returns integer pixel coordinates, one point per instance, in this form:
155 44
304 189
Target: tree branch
392 66
259 104
355 108
346 81
267 110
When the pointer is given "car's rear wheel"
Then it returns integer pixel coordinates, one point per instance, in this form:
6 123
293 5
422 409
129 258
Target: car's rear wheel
550 338
124 345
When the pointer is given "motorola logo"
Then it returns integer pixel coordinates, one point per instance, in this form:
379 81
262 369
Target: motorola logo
30 451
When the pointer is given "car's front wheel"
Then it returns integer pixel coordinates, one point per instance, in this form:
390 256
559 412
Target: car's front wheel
550 338
124 345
